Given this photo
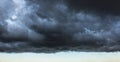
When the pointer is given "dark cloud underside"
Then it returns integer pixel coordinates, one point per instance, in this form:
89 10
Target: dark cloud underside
64 25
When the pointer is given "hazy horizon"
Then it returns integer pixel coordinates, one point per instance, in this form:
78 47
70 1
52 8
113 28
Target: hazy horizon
61 57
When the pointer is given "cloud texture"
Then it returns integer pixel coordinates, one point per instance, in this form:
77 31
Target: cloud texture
52 25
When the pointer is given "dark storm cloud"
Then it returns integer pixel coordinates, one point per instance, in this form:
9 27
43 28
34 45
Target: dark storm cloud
101 6
51 26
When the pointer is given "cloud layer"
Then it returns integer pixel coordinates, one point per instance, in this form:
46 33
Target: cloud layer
51 26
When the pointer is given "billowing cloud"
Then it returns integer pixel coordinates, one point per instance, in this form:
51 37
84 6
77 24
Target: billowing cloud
51 26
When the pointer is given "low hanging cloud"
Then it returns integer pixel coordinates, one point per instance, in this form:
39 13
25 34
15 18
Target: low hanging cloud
52 26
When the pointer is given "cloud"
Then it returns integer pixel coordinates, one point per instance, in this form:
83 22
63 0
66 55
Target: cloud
51 26
98 6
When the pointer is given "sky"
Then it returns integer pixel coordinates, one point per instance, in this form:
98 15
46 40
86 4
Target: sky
61 57
64 25
59 31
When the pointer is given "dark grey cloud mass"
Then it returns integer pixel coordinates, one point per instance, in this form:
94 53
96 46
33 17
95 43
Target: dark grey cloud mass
59 25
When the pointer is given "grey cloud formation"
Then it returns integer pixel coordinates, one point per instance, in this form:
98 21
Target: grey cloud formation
52 26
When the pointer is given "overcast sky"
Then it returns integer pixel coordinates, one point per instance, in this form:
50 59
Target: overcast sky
61 57
90 27
64 25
